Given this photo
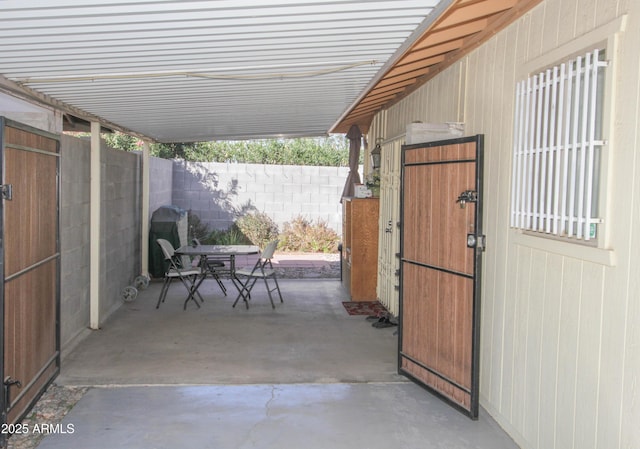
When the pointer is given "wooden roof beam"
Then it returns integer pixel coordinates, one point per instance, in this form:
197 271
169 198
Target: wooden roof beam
496 23
398 85
405 76
425 53
439 36
406 68
472 11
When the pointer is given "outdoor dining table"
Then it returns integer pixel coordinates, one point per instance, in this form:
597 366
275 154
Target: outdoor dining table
228 252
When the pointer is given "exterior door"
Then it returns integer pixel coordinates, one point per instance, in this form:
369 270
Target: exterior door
440 258
30 266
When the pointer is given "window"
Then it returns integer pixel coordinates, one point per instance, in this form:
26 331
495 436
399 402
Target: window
557 149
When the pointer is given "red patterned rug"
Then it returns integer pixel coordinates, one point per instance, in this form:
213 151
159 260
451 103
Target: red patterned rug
370 308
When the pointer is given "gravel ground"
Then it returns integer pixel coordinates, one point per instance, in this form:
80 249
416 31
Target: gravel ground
53 405
331 271
57 400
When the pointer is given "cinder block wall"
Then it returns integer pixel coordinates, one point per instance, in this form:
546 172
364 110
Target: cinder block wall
216 192
120 240
120 221
74 238
160 183
220 192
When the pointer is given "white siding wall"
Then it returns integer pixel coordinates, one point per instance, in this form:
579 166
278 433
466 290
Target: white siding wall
560 360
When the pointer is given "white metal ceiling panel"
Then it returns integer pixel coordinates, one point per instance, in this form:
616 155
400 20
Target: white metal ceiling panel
180 71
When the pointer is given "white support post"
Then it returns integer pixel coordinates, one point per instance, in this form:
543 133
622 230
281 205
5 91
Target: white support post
94 229
144 213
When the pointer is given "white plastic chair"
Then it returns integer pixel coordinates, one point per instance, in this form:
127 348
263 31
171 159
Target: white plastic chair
263 269
174 270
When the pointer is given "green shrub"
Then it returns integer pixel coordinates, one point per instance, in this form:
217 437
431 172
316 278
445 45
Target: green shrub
230 236
258 227
197 229
327 151
304 236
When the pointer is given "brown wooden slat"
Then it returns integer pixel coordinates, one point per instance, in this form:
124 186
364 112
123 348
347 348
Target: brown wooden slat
439 242
436 328
456 152
30 324
31 264
456 395
388 92
382 89
471 11
403 77
375 102
30 218
417 67
363 247
428 52
439 271
22 138
30 321
463 27
22 406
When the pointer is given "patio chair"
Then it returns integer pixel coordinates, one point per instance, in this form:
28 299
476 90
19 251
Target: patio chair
189 276
263 269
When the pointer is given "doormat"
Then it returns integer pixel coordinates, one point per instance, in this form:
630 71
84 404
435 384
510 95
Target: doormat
370 308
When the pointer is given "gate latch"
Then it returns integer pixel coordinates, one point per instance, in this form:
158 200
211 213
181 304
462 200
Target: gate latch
8 383
468 196
476 241
7 191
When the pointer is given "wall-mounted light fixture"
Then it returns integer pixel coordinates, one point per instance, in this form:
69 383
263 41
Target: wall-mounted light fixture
376 154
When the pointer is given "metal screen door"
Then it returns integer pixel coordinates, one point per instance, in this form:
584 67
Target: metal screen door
440 254
30 266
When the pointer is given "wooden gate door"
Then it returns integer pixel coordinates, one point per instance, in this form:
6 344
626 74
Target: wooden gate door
440 253
30 262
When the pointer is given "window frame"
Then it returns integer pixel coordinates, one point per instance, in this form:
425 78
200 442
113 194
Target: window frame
557 148
597 250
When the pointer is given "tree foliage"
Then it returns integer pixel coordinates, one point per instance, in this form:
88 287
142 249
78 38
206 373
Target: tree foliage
323 151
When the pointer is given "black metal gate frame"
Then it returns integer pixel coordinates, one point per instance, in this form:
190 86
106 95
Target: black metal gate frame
4 402
475 368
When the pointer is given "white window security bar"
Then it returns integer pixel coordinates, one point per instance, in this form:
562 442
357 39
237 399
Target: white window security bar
557 147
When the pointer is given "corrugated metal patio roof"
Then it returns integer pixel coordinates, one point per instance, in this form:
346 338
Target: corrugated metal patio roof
180 71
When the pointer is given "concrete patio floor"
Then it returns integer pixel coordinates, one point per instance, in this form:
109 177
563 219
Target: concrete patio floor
304 374
308 338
